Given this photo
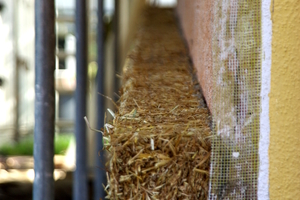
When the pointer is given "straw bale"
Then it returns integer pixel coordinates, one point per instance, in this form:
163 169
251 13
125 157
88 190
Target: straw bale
159 141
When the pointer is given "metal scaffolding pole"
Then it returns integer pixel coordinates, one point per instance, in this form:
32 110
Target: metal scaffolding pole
100 173
43 186
80 189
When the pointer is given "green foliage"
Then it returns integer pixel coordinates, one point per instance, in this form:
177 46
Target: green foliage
25 146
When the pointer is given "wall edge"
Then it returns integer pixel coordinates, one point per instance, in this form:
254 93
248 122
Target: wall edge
264 140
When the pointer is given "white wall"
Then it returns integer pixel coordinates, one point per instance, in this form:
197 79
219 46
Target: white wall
17 21
6 65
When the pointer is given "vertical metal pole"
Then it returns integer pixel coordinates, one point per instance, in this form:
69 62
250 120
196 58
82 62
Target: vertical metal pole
100 173
43 186
80 190
116 48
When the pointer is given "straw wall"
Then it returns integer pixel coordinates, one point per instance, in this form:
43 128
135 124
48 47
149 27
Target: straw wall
159 140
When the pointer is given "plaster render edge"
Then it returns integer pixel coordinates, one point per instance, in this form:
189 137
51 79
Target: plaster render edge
264 140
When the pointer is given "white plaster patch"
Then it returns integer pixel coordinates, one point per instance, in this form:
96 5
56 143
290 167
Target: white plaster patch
263 175
235 154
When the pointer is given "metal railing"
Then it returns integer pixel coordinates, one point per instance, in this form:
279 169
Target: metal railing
43 186
45 102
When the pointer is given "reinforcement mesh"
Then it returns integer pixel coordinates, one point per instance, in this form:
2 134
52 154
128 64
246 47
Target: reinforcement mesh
236 47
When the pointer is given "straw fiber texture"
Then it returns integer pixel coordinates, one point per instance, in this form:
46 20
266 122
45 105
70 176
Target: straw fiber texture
159 141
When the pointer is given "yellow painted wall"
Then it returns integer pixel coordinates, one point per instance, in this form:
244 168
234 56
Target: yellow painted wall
284 151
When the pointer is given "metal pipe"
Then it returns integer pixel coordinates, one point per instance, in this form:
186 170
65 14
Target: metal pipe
80 189
100 172
116 49
43 186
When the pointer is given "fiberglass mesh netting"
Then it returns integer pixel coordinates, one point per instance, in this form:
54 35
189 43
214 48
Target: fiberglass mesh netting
236 47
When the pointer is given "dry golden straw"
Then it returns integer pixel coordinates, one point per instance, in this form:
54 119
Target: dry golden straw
159 141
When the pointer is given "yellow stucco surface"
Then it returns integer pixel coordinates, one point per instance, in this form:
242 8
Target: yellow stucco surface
284 150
